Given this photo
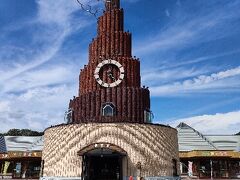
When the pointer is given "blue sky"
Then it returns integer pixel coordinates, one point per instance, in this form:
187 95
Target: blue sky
189 52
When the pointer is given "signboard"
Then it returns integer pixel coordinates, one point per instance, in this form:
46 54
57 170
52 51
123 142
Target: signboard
230 154
4 156
101 146
20 155
214 153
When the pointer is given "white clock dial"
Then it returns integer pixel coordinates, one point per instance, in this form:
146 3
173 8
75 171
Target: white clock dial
115 81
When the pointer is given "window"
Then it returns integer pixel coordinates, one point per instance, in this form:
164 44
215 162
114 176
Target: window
68 116
108 109
148 116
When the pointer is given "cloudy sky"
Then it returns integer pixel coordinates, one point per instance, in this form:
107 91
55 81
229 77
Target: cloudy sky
189 51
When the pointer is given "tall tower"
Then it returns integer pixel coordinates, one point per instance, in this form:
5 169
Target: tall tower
110 84
95 145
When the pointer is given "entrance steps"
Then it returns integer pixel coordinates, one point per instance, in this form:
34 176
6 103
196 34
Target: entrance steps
185 177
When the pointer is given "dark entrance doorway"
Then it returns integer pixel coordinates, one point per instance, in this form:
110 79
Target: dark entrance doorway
103 168
102 164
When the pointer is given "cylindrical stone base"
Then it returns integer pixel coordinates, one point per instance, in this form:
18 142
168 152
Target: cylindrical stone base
154 147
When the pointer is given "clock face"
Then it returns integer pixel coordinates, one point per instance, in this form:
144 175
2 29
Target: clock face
109 73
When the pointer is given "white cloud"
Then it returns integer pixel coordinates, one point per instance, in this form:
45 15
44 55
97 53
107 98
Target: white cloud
38 98
186 30
54 23
228 79
36 109
34 95
189 60
220 123
34 61
40 77
4 106
52 11
153 76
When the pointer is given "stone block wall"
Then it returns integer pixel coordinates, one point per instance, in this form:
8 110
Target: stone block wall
154 146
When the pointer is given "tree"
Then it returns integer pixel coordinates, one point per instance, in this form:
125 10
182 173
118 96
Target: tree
21 132
238 133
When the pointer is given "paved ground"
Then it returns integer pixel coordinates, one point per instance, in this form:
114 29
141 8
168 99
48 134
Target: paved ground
188 178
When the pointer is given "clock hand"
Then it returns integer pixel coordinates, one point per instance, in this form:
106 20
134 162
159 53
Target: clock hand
111 76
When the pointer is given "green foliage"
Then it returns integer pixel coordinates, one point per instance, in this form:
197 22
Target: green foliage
238 133
21 132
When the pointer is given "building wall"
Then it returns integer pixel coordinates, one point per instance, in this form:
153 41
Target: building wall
154 146
130 104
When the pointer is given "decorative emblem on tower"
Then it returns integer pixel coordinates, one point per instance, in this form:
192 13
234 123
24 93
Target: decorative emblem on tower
112 69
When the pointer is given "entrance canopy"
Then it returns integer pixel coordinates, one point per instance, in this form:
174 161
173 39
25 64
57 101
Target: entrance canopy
102 149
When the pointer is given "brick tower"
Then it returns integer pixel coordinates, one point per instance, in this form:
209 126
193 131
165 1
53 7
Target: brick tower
110 84
108 135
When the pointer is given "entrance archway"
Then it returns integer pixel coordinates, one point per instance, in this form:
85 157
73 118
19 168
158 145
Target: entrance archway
102 161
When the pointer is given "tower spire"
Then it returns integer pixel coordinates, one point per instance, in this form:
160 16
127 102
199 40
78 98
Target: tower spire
112 4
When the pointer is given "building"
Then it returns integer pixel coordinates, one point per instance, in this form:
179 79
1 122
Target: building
200 155
208 156
20 157
109 135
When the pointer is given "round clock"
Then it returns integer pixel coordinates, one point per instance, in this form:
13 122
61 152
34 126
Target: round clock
112 70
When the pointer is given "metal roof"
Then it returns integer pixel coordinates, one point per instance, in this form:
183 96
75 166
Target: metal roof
21 143
225 142
190 139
